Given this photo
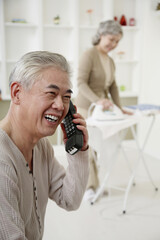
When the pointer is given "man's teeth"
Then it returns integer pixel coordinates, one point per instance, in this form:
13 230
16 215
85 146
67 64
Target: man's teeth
51 118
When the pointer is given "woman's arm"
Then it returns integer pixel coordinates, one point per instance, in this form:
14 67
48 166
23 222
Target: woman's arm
84 73
113 90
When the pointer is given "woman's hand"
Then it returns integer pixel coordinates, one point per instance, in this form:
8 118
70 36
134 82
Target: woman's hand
126 112
106 103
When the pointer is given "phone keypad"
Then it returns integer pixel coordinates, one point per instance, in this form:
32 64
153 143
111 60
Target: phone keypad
69 126
72 150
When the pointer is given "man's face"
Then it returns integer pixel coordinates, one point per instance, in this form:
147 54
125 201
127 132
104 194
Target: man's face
109 42
45 105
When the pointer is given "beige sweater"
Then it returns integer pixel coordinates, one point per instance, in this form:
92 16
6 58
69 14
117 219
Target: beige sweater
92 80
24 196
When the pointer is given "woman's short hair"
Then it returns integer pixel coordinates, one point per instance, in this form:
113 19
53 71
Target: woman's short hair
31 66
110 27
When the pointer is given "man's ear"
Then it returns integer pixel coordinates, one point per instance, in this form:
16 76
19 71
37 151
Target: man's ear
15 92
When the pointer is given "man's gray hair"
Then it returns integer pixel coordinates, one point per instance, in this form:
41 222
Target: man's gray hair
31 65
110 27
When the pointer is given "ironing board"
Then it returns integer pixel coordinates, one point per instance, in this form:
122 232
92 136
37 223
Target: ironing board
101 131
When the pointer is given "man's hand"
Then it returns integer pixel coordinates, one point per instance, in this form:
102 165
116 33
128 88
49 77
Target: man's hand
81 125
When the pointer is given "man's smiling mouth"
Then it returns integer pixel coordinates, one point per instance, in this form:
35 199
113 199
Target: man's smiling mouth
51 118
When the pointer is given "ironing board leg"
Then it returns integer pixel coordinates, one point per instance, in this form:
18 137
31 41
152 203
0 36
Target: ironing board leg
141 157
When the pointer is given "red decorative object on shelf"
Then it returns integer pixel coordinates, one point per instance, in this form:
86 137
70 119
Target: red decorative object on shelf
132 22
90 12
123 21
115 18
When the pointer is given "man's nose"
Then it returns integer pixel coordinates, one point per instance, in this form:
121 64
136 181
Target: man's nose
58 103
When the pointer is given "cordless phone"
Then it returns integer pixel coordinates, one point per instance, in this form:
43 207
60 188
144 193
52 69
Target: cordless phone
74 135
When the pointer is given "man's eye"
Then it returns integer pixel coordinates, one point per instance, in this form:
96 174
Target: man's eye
67 98
52 93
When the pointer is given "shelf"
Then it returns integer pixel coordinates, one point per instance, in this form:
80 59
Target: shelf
11 61
157 13
87 27
75 28
58 26
123 61
128 94
10 24
7 97
130 28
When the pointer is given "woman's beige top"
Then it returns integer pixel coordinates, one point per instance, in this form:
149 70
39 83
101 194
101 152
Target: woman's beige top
96 79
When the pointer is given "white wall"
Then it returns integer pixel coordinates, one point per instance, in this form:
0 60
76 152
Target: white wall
150 84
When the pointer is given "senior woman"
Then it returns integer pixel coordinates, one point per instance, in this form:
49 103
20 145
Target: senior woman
96 81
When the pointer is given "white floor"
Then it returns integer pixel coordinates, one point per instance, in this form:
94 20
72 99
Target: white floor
104 220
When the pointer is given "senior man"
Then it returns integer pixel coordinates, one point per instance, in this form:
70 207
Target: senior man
29 172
